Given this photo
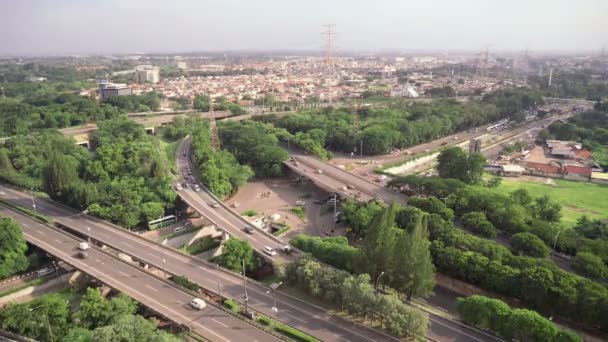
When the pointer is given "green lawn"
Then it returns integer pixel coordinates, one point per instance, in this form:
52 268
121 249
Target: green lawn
577 198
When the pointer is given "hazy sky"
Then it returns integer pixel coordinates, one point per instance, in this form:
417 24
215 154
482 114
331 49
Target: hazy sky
127 26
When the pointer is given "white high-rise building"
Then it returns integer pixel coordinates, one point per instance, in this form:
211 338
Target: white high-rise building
147 74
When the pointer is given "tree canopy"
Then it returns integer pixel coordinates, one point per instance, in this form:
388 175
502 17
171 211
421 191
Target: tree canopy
12 248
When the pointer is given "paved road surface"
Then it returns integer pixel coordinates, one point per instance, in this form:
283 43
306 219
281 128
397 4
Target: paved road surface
171 302
223 217
294 312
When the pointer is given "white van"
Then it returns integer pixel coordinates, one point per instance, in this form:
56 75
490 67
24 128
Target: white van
198 304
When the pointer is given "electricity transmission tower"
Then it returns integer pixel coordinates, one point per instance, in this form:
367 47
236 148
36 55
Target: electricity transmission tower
329 36
215 138
482 62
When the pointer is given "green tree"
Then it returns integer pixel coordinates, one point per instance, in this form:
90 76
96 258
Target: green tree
201 103
96 311
521 196
529 244
546 209
58 175
46 318
377 246
12 248
412 271
152 211
453 162
527 325
477 222
132 328
78 334
234 252
590 265
483 312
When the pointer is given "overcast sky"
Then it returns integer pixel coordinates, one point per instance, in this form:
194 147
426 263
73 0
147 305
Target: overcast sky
128 26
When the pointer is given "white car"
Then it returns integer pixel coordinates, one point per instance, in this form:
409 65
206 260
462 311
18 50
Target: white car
319 171
270 251
299 202
214 205
197 188
198 304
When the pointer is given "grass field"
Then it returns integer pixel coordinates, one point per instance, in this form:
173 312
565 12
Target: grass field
577 198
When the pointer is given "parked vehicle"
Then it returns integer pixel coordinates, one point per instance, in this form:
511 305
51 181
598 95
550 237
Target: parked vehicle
214 205
300 202
248 229
319 171
198 304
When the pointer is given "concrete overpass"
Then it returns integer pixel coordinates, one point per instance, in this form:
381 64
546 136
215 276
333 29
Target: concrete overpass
159 295
294 312
148 121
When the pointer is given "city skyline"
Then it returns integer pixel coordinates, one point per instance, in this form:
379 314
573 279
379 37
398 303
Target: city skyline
67 27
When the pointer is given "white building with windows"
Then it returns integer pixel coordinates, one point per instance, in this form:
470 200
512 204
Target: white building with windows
147 74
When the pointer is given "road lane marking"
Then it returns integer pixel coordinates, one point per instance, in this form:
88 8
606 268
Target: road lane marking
123 273
59 241
173 256
220 323
294 317
25 224
151 288
40 232
92 270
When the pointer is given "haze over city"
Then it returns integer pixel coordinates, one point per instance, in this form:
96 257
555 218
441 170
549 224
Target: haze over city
37 27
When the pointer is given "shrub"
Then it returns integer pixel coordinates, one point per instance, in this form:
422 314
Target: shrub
529 244
478 223
589 265
185 282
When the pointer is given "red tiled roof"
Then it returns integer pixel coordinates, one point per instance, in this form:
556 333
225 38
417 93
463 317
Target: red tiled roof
546 168
583 154
579 170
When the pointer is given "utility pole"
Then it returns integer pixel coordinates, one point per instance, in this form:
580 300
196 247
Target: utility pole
246 298
550 76
273 288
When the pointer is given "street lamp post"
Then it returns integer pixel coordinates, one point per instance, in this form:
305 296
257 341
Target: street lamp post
89 234
555 241
246 298
33 202
273 288
164 267
219 290
377 280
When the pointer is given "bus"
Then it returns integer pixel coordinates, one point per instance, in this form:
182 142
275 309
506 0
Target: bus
162 222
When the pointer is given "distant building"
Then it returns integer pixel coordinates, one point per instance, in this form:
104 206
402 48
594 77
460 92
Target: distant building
147 74
108 89
182 65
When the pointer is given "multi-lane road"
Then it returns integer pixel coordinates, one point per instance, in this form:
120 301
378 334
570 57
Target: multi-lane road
169 301
223 217
302 315
441 329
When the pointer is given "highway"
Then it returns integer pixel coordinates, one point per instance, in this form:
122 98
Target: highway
302 315
211 323
223 216
441 329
